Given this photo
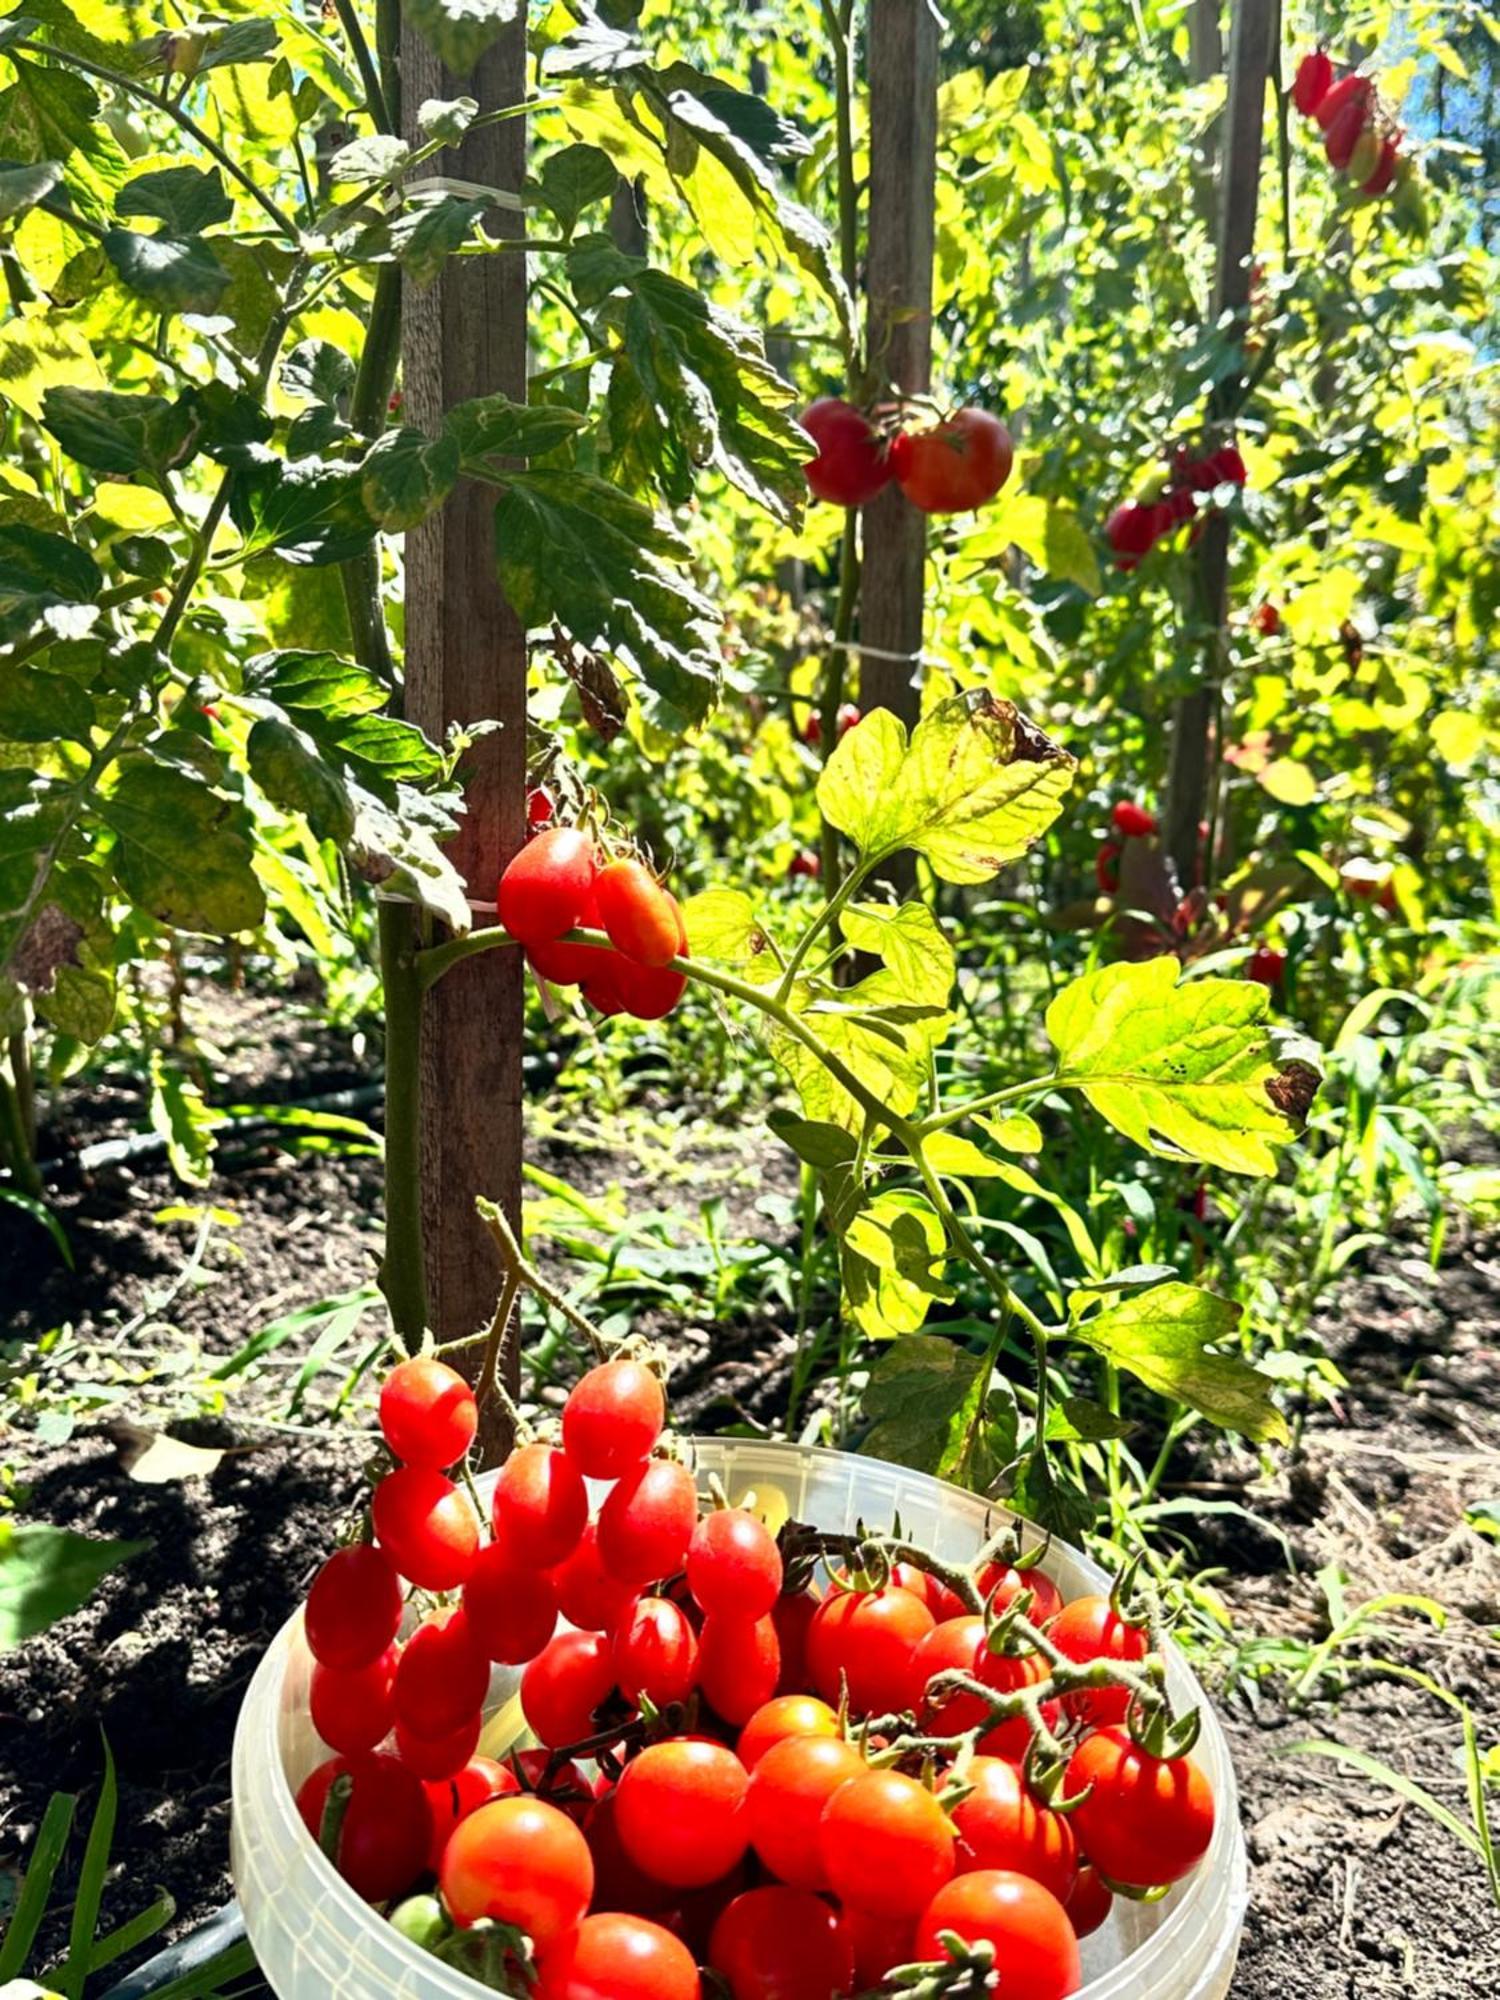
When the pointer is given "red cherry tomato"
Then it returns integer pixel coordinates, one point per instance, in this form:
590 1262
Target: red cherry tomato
1005 1672
866 1639
615 1956
511 1608
942 1602
641 917
1000 1825
953 1646
352 1708
540 810
957 465
437 1757
587 1594
443 1677
1146 1820
1266 618
1312 82
648 992
655 1652
733 1564
886 1843
546 886
782 1944
792 1614
1090 1629
1000 1586
1036 1951
804 864
852 463
427 1527
386 1829
353 1609
564 1684
428 1413
739 1664
848 718
1339 96
881 1943
791 1784
612 1418
618 1883
453 1798
572 964
1089 1905
1344 130
1107 867
647 1521
1266 965
786 1715
540 1507
1134 822
518 1861
1385 166
1131 531
680 1810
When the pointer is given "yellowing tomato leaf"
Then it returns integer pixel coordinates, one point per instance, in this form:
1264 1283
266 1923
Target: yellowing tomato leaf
1164 1337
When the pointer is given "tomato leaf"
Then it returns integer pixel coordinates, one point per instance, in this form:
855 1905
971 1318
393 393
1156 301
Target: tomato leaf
406 476
172 273
182 850
186 200
1164 1337
918 1387
460 30
721 926
47 1573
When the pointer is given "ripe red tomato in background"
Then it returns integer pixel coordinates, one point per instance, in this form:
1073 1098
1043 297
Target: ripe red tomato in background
647 1521
386 1828
438 1757
680 1810
443 1676
1035 1946
881 1943
942 1602
353 1708
453 1798
427 1526
782 1944
1000 1586
354 1607
804 865
852 462
587 1595
1266 965
540 1509
1090 1629
1146 1820
546 886
734 1567
1089 1905
613 1418
518 1861
1132 821
1312 82
739 1664
957 465
655 1652
886 1843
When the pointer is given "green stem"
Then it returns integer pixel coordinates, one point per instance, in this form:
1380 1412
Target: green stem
834 674
403 1276
375 103
826 918
14 1150
22 1075
517 1269
441 958
941 1120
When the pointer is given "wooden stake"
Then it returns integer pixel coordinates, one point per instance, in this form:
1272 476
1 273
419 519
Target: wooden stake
1195 728
465 336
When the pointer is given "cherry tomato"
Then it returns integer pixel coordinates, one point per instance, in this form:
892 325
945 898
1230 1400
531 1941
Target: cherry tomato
428 1413
587 1594
353 1609
853 463
791 1784
956 465
540 1508
655 1652
880 1942
1312 82
1000 1825
1385 167
1089 1905
1348 90
540 810
792 1614
543 891
1090 1629
647 1522
1146 1820
437 1757
953 1646
733 1564
1000 1586
564 1684
386 1828
648 992
785 1716
680 1810
804 864
782 1944
640 916
519 1861
1132 821
352 1708
886 1843
848 718
612 1418
1036 1953
866 1639
426 1526
572 964
614 1956
511 1608
1266 965
1343 131
942 1602
1107 867
453 1798
1133 529
618 1883
739 1664
1266 618
443 1677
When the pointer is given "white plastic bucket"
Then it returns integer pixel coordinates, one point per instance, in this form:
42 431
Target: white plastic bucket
316 1940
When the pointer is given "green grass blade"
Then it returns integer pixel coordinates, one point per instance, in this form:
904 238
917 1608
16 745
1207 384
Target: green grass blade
91 1882
36 1885
237 1961
1404 1787
128 1936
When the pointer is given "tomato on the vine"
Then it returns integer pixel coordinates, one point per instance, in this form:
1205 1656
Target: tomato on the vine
352 1708
564 1684
567 964
880 1943
886 1843
1000 1585
1006 1673
613 1417
865 1639
1145 1820
518 1861
680 1811
647 1521
1312 82
443 1676
511 1607
655 1652
783 1716
1091 1629
566 1786
544 889
386 1827
777 1943
1089 1904
427 1527
428 1413
734 1567
1134 822
941 1601
1000 1825
957 465
616 1956
739 1664
354 1608
453 1798
852 462
540 1507
640 916
587 1594
438 1756
790 1785
1035 1948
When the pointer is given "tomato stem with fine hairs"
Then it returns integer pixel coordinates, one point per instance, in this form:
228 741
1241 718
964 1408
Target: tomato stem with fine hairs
403 1271
515 1263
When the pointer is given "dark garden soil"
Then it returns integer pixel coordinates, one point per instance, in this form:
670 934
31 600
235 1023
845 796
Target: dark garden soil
1356 1894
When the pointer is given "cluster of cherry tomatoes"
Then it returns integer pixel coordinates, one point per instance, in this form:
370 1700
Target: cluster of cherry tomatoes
1130 822
1361 140
721 1777
1135 527
949 467
560 882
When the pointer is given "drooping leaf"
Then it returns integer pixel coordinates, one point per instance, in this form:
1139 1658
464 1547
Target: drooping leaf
111 432
406 476
39 707
573 179
446 118
427 232
22 188
972 789
38 571
172 273
397 851
1186 1069
495 427
318 372
460 30
286 765
1164 1336
182 850
892 1264
47 1573
375 156
179 1116
186 200
917 1390
308 510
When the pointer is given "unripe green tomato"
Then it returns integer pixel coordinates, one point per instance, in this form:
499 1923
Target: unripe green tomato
423 1920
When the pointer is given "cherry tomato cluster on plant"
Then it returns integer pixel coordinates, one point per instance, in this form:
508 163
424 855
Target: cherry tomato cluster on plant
812 729
1361 139
1135 527
1128 821
739 1773
560 882
948 467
